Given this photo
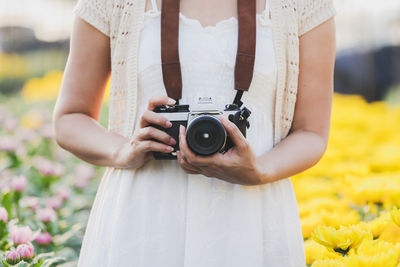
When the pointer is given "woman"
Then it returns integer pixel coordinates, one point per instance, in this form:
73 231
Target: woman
232 209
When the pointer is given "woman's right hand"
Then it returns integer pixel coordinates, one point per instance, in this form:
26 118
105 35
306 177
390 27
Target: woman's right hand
135 152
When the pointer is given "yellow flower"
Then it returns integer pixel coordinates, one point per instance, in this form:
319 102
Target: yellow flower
32 120
395 214
371 247
47 87
107 92
391 233
379 224
315 251
328 263
312 187
338 218
43 89
342 239
382 259
12 66
386 157
316 205
308 224
357 178
373 253
377 188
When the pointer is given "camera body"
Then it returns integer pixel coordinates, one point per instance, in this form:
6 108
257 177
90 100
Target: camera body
205 134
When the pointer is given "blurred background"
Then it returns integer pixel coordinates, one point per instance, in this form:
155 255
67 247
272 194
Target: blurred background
347 202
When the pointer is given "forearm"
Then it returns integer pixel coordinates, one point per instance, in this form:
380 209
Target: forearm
84 137
299 151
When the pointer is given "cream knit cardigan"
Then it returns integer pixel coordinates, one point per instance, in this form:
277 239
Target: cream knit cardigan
122 20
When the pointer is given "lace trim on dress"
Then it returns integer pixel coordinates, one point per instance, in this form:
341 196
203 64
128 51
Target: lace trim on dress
229 23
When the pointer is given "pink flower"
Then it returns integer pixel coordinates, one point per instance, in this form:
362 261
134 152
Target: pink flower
81 183
12 256
61 154
26 251
43 238
18 183
22 234
83 174
48 168
43 165
8 144
84 171
3 215
10 124
21 150
25 135
64 193
54 202
47 131
58 169
46 215
30 202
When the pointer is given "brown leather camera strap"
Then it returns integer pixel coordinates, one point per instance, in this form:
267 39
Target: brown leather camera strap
245 55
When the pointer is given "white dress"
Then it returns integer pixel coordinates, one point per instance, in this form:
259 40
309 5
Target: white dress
160 216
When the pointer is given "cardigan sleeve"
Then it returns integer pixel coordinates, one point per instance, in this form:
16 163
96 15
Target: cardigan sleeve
313 13
96 13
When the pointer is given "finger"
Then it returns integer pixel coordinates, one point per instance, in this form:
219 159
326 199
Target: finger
234 133
150 117
147 146
149 132
160 100
186 167
208 174
188 154
182 161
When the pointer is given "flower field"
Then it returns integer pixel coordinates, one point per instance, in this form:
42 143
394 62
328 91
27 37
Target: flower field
45 192
347 202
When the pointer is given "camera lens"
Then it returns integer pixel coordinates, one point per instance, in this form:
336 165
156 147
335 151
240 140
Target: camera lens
205 135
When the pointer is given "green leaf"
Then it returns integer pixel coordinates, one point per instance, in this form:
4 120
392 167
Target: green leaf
14 160
50 262
21 264
6 202
3 230
37 263
4 245
45 256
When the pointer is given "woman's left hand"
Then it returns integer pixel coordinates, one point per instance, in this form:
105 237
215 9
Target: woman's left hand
238 165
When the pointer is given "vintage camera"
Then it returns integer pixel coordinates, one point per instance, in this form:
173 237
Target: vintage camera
205 134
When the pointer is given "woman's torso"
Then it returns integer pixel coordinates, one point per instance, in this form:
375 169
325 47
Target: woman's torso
158 215
207 55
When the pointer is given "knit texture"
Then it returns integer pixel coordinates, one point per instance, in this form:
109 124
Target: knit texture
122 21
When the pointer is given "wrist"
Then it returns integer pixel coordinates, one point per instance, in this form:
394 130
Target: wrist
116 154
114 157
264 172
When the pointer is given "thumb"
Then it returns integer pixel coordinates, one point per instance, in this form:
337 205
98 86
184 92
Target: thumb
234 133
